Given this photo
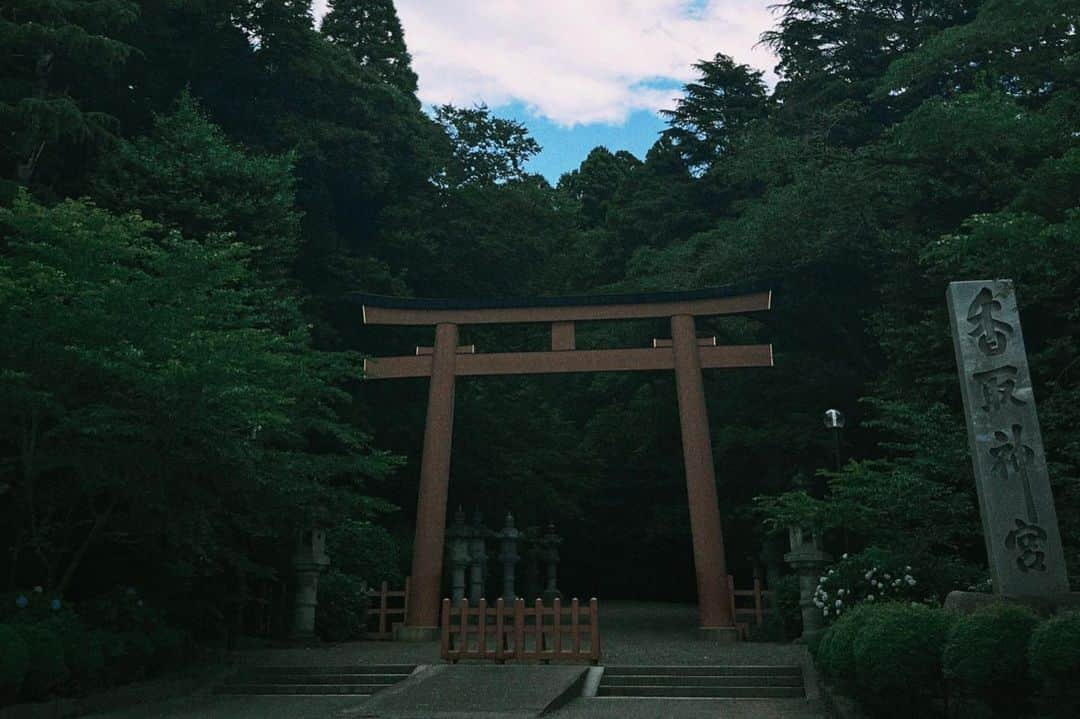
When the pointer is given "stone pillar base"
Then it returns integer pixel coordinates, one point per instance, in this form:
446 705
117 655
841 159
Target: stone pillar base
405 633
720 635
968 602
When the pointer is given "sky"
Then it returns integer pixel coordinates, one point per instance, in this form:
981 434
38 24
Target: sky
576 73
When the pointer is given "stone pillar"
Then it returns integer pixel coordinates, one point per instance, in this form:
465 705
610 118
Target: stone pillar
550 555
458 536
508 556
477 558
1023 543
309 560
422 621
808 560
714 600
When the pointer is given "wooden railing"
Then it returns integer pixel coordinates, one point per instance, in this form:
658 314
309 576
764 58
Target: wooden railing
386 614
744 615
516 632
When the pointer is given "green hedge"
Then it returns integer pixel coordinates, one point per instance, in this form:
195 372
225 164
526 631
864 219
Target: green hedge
82 651
1054 656
45 654
342 610
898 658
835 652
14 662
986 654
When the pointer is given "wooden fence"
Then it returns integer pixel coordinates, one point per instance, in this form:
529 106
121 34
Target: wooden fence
752 611
387 615
519 633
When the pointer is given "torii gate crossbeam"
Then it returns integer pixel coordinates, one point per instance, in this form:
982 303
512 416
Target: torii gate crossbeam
684 353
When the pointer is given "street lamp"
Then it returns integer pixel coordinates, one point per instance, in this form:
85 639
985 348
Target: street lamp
834 420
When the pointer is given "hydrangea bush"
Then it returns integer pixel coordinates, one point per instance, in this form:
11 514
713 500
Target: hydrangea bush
870 576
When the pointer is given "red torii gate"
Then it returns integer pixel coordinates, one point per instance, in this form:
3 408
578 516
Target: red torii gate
684 353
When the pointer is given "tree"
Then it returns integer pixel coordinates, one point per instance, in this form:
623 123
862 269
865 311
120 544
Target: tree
187 176
371 31
485 149
149 384
723 102
54 52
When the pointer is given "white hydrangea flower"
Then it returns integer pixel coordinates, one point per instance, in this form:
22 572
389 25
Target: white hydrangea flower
845 556
839 603
869 597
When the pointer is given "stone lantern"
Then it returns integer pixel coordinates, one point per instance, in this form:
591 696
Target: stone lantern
508 556
309 560
477 558
808 559
458 536
550 556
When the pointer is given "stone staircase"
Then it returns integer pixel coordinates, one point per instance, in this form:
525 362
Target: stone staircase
322 681
675 682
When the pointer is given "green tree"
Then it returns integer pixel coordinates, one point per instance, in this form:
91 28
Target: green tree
54 53
188 176
150 387
724 101
371 31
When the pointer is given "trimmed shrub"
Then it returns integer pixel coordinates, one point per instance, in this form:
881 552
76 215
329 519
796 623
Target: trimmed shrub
342 610
127 655
170 646
987 653
82 651
835 652
367 551
897 657
14 662
1054 655
45 655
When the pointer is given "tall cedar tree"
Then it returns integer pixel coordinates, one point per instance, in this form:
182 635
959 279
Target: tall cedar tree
371 31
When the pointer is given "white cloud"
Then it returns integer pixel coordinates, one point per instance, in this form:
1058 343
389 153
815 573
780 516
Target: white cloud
574 61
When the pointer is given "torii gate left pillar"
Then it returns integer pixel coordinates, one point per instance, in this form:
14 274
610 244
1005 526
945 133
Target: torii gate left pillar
684 353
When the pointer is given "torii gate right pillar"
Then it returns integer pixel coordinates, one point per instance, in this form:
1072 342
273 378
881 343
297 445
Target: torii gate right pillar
714 604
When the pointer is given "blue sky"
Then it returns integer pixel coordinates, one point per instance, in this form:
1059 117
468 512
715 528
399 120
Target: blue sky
563 147
577 73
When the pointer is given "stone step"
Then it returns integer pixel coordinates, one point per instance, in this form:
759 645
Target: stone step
702 680
684 691
405 669
301 689
343 678
697 671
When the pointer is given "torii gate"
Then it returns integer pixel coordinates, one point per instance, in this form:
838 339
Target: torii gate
684 353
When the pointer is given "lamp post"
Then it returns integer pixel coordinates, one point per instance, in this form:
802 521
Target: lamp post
834 420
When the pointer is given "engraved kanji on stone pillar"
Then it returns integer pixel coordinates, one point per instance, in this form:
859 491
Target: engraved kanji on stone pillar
1023 543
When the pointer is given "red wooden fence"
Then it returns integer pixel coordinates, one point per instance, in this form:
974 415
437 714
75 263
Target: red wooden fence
502 633
755 613
380 607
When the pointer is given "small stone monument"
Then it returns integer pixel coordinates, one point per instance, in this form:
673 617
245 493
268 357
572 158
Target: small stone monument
309 560
1023 544
808 559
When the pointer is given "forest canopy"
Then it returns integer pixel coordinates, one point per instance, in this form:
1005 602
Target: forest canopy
189 190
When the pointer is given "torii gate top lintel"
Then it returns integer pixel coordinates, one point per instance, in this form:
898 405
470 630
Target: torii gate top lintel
562 313
384 310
